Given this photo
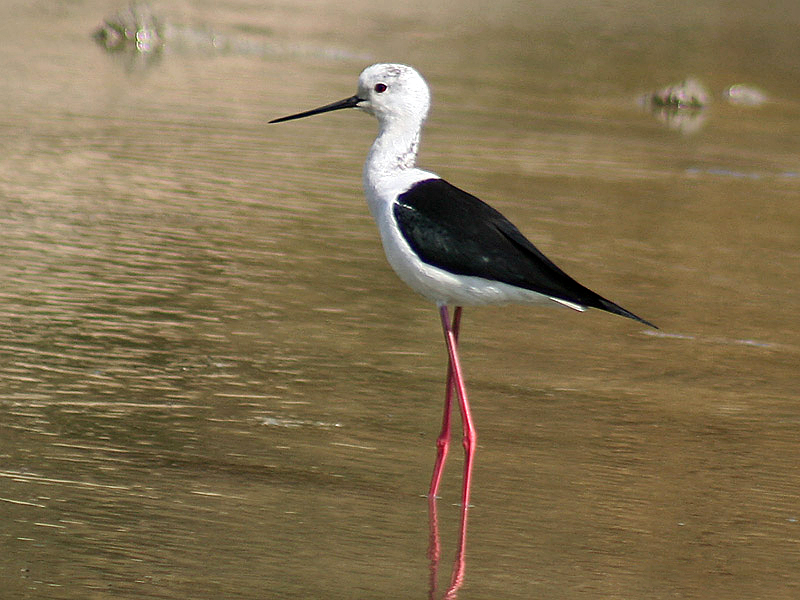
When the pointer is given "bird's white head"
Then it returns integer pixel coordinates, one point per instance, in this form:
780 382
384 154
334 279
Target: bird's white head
399 98
391 92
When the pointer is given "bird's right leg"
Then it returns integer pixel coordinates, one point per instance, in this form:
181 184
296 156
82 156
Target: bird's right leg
443 441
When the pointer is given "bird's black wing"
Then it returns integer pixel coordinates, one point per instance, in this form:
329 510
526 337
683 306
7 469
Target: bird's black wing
455 231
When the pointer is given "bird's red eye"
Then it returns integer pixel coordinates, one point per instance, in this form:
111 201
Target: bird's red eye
380 87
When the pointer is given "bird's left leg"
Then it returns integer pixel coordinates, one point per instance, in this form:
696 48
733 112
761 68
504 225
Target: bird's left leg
470 435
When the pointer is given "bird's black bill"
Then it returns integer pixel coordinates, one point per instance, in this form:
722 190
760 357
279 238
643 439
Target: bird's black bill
351 102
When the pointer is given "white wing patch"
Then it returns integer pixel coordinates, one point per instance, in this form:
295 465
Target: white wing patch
568 304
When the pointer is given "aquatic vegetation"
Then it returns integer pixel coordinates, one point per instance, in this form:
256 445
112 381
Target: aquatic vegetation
687 94
133 28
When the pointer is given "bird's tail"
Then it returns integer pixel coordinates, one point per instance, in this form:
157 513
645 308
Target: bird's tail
609 306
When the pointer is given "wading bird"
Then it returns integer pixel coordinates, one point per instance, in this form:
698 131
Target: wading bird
446 244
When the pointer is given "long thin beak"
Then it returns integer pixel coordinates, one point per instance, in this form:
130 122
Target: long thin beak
351 102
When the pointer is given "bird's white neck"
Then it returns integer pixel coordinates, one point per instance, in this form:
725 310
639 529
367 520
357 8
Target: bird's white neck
392 152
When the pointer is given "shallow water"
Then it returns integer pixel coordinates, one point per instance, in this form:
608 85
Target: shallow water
212 385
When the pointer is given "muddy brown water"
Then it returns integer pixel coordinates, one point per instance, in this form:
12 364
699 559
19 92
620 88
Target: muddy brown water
213 386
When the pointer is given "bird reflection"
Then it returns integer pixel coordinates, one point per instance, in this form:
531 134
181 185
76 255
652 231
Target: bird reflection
435 553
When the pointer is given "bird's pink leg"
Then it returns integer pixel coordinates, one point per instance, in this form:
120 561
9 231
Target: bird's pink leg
443 441
470 435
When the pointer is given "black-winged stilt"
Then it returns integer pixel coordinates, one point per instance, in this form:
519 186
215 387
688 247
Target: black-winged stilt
446 244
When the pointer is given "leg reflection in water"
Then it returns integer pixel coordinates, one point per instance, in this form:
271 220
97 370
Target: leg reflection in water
435 552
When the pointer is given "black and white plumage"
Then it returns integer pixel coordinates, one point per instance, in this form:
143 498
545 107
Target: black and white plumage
446 244
455 231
